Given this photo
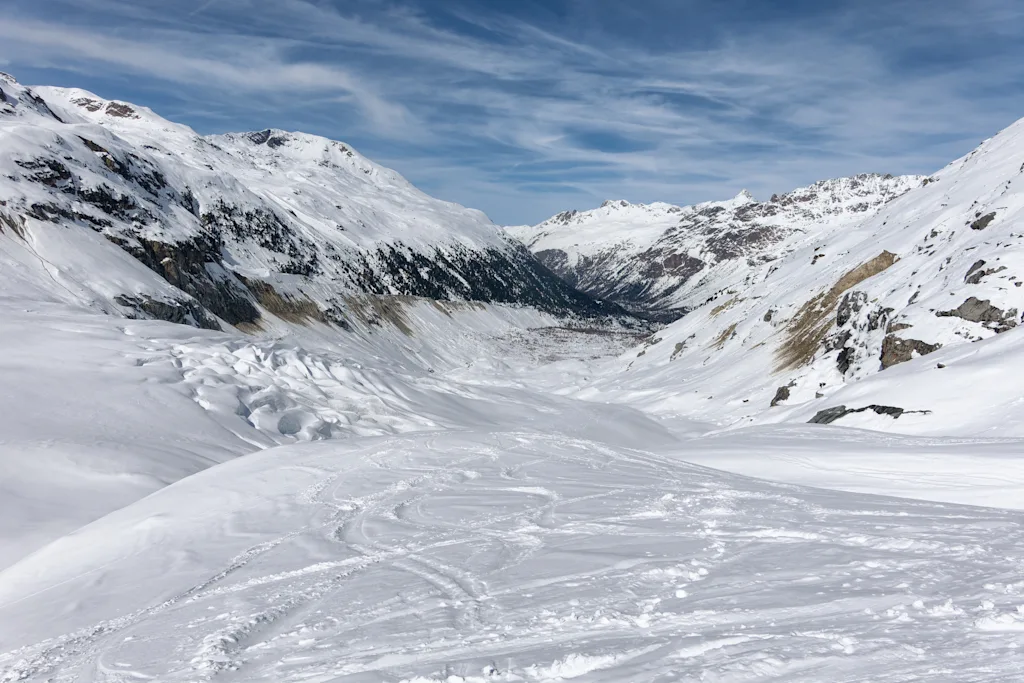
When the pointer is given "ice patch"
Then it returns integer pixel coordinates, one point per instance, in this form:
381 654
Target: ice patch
572 666
1007 622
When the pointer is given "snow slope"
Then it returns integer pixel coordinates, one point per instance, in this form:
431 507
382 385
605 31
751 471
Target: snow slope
515 556
457 519
102 411
661 260
914 309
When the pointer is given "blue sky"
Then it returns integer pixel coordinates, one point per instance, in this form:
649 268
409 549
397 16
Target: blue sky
526 108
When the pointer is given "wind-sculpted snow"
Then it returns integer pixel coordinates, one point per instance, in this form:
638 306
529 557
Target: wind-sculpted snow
101 411
284 390
513 556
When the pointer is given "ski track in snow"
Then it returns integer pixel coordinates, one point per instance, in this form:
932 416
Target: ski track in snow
521 557
472 525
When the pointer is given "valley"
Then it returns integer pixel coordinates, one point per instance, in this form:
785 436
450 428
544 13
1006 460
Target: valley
272 413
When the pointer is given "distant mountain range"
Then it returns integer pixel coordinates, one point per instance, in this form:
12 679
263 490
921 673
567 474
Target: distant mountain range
660 260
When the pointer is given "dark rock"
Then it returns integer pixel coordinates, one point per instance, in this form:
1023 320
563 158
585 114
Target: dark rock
896 350
259 137
975 275
885 410
977 265
984 221
982 311
830 415
55 213
845 359
782 394
839 340
182 312
878 317
195 267
121 110
49 172
112 203
851 305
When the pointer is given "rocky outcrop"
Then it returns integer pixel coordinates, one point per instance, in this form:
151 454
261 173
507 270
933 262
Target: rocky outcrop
830 415
897 350
807 331
982 311
782 394
181 311
983 221
195 266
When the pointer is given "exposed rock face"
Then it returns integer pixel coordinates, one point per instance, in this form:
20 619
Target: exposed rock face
857 319
975 268
977 311
897 350
830 415
182 311
195 266
977 273
661 260
812 322
984 221
851 305
782 394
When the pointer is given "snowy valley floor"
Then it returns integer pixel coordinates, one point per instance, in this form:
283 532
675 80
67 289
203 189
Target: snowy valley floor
468 520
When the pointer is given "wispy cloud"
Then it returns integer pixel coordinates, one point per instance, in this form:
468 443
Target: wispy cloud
231 65
527 109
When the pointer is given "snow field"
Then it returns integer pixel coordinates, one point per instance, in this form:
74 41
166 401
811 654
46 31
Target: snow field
513 556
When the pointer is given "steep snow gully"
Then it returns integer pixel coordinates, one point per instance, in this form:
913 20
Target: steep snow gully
387 444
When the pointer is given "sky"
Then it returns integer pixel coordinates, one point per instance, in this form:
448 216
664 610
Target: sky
524 108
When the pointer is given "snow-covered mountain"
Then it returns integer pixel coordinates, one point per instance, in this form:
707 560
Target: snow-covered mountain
107 204
661 260
808 335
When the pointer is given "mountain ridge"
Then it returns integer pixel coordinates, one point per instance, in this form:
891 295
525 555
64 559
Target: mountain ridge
907 311
228 241
660 260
